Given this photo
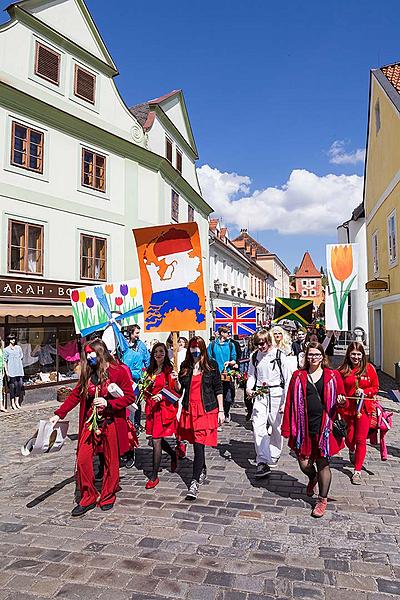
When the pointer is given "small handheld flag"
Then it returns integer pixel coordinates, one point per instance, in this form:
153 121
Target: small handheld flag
169 395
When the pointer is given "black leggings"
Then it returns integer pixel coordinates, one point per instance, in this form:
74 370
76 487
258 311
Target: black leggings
159 444
322 473
199 462
15 385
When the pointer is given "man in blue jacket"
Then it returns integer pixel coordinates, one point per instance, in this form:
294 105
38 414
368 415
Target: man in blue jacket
223 351
140 349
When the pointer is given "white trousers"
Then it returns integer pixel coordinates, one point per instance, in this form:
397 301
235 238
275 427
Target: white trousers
266 416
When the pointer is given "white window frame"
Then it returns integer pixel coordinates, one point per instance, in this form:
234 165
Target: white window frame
304 293
375 252
312 282
313 293
304 282
392 244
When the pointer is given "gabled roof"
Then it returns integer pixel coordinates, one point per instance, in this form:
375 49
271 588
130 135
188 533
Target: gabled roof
307 267
392 74
146 112
244 235
389 78
33 14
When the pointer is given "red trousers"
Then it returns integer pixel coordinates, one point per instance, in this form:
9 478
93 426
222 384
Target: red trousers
356 439
84 465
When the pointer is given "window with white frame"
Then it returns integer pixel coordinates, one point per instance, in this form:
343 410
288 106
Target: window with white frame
304 292
304 282
312 293
375 260
392 237
312 282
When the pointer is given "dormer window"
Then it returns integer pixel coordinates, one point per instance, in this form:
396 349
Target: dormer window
179 161
47 63
85 85
168 149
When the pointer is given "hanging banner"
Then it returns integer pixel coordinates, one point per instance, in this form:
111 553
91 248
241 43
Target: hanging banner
171 273
97 307
342 273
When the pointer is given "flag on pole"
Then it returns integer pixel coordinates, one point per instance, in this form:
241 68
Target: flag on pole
241 320
293 310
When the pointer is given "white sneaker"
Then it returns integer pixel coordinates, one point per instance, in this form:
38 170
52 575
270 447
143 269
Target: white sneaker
227 418
273 463
193 490
203 476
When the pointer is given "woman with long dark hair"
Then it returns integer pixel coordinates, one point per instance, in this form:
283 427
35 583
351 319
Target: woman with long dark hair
160 411
100 434
202 407
361 386
314 395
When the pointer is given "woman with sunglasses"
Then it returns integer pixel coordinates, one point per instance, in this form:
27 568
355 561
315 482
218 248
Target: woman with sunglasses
202 407
160 410
98 371
314 396
361 385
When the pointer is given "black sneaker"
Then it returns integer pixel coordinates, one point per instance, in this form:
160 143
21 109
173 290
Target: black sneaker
130 460
193 490
122 461
262 470
79 510
106 506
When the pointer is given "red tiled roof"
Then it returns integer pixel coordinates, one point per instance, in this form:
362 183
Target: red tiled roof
165 97
392 73
307 268
245 236
143 112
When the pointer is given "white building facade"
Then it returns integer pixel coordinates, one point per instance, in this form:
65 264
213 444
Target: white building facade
77 174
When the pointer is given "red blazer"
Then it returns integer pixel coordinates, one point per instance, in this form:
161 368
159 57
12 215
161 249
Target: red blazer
117 406
369 383
334 445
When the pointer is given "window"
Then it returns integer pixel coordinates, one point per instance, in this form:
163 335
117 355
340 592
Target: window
27 148
392 237
377 116
375 252
168 149
179 161
190 213
304 293
25 248
312 282
47 63
304 282
174 206
93 257
313 293
93 170
85 85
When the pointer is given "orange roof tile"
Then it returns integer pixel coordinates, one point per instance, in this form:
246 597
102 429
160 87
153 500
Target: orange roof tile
307 267
392 73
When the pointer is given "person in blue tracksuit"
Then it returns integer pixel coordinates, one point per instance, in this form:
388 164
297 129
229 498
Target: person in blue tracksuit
223 351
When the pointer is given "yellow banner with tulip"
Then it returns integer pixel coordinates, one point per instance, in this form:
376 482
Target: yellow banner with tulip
96 307
342 273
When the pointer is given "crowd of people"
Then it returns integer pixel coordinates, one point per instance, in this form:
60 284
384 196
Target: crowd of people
290 391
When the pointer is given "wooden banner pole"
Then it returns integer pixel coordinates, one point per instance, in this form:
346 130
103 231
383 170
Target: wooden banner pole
175 348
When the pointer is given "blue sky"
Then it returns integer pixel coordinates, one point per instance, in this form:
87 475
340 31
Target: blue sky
270 86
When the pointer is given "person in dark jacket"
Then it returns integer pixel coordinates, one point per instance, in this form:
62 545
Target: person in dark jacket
202 407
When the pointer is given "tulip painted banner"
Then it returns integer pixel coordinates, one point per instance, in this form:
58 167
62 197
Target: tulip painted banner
342 271
171 272
99 306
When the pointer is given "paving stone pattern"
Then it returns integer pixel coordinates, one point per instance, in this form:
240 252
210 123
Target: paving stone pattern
242 539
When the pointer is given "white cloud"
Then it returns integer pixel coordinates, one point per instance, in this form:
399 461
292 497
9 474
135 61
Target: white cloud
338 155
306 203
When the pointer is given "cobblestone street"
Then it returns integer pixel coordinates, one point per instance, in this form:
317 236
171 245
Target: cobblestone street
242 540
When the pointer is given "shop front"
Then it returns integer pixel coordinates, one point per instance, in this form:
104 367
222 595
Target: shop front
39 314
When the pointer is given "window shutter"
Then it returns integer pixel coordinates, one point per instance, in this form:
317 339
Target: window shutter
47 64
85 85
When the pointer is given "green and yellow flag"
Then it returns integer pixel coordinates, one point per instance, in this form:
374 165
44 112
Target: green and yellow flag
293 310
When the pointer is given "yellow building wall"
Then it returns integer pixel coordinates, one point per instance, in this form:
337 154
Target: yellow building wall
383 164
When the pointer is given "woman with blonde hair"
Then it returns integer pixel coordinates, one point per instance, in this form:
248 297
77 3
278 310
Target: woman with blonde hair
281 340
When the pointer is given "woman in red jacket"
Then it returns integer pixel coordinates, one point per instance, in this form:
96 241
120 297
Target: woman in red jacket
161 420
98 370
361 386
311 407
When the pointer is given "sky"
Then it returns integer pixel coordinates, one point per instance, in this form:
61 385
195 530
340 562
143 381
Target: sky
277 94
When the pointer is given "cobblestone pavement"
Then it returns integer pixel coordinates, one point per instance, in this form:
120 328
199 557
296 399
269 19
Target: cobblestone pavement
242 540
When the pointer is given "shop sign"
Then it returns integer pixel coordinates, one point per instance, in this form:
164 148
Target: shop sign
35 290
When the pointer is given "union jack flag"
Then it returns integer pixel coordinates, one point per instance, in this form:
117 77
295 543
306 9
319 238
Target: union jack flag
242 320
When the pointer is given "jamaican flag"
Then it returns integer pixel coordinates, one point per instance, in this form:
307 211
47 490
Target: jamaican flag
293 310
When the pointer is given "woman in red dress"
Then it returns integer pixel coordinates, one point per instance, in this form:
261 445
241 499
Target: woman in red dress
98 370
202 407
314 395
361 386
160 412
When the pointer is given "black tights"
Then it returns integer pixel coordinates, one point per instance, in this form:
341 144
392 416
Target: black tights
159 444
199 462
323 473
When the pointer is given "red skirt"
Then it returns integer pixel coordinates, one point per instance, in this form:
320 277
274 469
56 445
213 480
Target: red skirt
196 425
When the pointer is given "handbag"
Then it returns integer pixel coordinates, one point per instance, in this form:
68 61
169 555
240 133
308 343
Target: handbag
339 425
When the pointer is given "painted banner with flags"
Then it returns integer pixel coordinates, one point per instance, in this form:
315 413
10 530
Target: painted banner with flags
242 320
293 310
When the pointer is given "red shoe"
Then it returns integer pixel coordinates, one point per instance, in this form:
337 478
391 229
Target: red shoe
152 484
311 485
320 508
181 450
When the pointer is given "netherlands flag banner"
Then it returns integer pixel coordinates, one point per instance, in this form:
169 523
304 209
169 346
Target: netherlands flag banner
169 395
241 320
